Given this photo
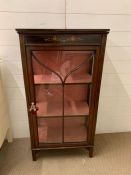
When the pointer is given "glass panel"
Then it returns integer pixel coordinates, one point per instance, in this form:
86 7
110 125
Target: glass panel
49 130
76 100
46 67
62 84
75 129
48 100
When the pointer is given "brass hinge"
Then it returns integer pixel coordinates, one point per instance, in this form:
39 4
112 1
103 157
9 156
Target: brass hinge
33 107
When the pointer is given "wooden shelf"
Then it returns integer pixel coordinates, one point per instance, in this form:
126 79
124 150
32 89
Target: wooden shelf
53 79
46 79
54 109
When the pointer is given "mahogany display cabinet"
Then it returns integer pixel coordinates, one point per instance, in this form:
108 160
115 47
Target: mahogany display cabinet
62 74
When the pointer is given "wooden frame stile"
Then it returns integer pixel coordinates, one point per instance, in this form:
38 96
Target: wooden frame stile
92 102
33 115
65 40
27 91
95 99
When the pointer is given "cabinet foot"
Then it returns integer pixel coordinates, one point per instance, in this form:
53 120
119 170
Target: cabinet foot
91 152
34 155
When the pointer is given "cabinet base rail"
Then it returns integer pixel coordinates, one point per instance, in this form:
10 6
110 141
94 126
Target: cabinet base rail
35 151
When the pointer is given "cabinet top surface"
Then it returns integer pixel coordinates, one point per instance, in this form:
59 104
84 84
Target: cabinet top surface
60 31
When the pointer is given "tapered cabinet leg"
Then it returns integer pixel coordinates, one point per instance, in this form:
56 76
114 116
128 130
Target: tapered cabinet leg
91 152
34 155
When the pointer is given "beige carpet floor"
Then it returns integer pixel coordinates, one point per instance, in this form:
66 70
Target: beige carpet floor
112 156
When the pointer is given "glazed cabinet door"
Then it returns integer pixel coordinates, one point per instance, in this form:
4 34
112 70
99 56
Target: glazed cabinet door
61 82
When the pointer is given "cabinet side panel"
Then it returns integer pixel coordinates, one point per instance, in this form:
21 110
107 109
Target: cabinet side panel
26 83
96 90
